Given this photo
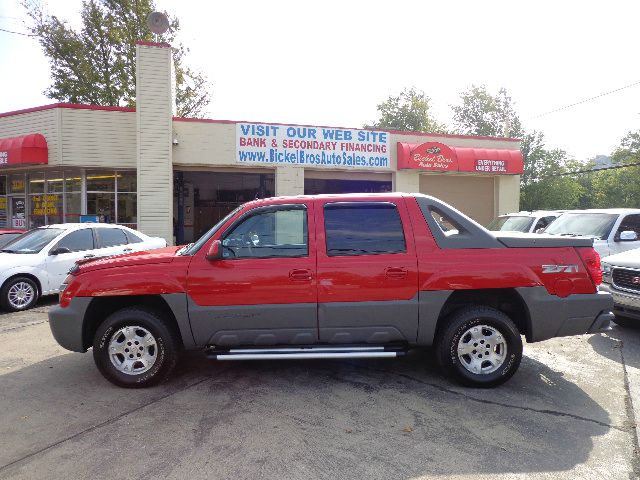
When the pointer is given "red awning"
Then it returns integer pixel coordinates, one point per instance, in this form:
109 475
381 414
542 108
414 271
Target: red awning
438 157
25 150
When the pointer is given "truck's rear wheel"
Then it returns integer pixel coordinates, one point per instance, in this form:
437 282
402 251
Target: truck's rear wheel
479 346
135 347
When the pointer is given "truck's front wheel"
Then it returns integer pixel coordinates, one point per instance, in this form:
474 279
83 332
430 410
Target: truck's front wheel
479 346
135 347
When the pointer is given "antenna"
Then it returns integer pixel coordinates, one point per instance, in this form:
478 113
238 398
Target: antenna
158 23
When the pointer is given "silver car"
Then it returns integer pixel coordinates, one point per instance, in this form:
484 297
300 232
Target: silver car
621 278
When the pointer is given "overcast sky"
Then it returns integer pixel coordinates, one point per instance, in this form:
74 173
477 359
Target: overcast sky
331 62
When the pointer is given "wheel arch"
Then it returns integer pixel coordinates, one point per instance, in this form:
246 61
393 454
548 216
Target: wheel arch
101 307
506 300
30 276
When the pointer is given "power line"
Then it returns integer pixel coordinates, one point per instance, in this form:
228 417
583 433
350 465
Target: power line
17 33
584 101
592 170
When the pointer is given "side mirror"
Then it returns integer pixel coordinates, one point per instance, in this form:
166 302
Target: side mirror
628 236
59 250
215 251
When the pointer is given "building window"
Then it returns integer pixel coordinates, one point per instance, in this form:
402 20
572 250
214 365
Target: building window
101 195
127 202
72 196
3 201
53 196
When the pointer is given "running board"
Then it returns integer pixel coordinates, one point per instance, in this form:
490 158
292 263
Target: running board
309 353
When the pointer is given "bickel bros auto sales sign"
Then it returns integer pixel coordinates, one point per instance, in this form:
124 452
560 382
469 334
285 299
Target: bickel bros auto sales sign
273 144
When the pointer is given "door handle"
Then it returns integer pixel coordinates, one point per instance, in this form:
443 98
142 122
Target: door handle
89 255
127 250
395 272
300 274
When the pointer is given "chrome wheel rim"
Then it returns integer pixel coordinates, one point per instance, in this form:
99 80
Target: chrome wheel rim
482 349
133 350
21 294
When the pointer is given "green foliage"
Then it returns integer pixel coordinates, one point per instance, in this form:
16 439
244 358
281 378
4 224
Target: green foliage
96 65
409 112
542 187
619 187
482 113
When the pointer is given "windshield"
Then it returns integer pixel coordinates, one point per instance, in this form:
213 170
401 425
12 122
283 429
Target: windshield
511 224
194 247
33 241
596 225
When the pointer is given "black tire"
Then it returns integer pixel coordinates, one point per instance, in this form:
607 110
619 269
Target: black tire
626 322
165 351
10 305
458 326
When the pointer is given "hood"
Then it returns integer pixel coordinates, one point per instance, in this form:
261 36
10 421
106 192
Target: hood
160 255
629 259
11 260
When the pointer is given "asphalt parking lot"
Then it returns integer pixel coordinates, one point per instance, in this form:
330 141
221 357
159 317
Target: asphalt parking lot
567 413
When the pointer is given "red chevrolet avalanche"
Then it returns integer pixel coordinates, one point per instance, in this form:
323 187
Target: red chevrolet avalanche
334 276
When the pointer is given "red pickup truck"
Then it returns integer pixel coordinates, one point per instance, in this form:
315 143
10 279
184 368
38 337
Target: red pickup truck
334 276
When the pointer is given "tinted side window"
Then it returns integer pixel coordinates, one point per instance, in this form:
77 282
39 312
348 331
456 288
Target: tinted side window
367 229
272 233
543 223
630 223
132 237
110 237
78 241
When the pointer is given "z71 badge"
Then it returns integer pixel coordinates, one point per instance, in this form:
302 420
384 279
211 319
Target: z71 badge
559 268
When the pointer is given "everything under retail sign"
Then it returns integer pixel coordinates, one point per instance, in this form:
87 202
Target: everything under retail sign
274 144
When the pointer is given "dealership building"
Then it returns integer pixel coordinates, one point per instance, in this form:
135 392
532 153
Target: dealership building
175 177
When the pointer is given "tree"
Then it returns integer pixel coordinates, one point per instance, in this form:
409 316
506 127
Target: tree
482 113
96 64
409 112
619 187
544 183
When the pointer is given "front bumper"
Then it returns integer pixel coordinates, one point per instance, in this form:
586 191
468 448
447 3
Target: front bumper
67 323
551 316
625 304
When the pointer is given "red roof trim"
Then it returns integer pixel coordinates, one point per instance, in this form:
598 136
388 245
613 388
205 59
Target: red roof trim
396 132
75 106
153 44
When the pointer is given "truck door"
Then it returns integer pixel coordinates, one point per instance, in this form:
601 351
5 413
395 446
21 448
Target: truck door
263 290
367 272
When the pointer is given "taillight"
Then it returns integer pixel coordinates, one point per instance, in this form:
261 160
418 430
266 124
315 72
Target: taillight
591 260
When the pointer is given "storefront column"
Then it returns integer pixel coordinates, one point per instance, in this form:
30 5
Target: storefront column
289 181
154 111
407 181
507 194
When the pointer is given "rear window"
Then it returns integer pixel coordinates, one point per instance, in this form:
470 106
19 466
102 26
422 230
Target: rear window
132 237
111 237
365 229
511 224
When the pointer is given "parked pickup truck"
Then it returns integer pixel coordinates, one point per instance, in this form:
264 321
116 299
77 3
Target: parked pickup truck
334 276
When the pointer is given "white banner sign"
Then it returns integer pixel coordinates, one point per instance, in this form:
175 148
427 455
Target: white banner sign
258 143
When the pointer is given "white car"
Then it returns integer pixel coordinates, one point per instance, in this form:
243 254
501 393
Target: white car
36 263
528 222
614 230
